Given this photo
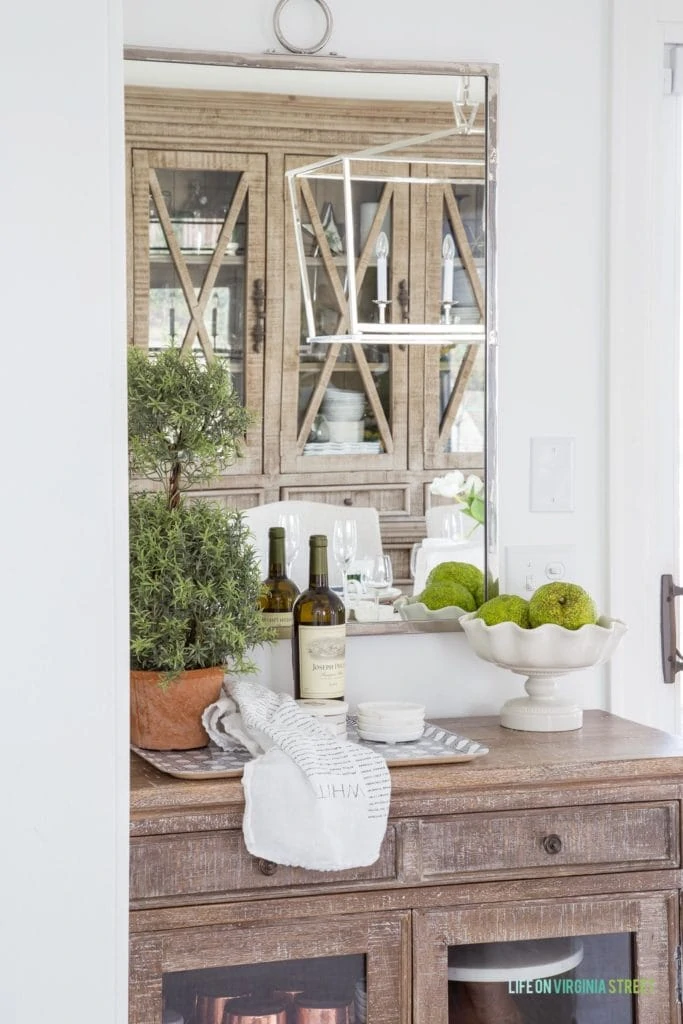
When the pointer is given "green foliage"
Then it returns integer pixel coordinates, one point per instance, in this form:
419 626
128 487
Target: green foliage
194 587
185 420
194 577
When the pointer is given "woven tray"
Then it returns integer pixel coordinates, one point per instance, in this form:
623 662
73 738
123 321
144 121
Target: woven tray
436 746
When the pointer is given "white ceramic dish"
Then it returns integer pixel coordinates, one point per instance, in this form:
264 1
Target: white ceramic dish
400 725
365 611
544 655
346 430
390 709
415 611
392 737
549 647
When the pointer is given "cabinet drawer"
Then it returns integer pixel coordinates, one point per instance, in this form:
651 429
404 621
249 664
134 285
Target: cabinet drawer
388 499
213 862
621 835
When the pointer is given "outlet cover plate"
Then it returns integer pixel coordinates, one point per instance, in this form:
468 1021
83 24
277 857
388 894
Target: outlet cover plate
530 566
552 474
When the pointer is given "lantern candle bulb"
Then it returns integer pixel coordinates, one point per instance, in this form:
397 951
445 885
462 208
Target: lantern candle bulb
448 257
381 252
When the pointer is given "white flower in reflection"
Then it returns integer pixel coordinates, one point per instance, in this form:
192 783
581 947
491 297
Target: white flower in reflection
468 493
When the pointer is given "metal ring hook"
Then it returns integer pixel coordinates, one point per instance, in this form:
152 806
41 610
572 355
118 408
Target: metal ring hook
303 49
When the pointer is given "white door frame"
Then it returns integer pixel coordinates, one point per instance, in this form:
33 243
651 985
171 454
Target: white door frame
643 389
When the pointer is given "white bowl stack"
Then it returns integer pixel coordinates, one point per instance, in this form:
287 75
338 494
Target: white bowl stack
342 406
390 721
331 713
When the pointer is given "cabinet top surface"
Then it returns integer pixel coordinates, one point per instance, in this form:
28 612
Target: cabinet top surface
606 748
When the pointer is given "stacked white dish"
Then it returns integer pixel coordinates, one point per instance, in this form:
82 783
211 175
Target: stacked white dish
332 714
342 406
390 721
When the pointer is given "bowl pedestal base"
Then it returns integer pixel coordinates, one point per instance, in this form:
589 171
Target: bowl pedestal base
542 710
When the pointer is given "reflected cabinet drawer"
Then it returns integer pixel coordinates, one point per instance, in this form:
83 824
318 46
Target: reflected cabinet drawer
622 835
388 499
218 862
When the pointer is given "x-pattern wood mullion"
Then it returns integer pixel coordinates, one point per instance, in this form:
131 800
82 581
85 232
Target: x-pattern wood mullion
467 365
179 262
197 304
338 289
214 266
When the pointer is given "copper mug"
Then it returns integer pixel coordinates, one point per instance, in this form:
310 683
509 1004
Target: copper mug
318 1010
212 1000
255 1011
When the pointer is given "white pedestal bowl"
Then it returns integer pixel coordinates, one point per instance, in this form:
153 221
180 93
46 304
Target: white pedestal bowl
543 655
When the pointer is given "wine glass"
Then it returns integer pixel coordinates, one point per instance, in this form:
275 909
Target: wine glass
344 547
292 526
377 576
414 552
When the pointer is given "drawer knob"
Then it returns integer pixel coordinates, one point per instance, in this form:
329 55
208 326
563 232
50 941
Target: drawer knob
266 867
552 844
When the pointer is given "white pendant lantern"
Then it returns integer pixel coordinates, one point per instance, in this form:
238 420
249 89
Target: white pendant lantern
335 245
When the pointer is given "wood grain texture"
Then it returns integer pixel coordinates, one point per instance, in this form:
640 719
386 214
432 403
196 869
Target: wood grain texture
260 136
464 862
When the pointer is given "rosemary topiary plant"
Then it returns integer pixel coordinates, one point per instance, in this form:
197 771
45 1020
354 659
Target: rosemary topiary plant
194 577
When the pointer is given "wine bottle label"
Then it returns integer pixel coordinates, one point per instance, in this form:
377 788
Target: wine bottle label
279 618
322 659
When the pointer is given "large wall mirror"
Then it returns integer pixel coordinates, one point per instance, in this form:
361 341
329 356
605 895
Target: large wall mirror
245 243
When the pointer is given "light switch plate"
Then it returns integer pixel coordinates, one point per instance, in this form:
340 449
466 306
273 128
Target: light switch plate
529 567
552 474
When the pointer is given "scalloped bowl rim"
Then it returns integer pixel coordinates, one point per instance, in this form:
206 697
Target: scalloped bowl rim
428 613
604 624
531 650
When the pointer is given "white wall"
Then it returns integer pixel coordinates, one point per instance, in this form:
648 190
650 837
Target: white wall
552 224
63 614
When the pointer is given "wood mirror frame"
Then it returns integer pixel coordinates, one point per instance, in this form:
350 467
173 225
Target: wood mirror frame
157 119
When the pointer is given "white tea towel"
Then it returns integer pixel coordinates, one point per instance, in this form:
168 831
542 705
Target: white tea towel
312 801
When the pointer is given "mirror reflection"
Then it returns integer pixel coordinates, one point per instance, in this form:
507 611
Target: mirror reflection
352 304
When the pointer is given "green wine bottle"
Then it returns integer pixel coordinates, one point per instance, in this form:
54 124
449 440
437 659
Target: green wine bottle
280 593
319 637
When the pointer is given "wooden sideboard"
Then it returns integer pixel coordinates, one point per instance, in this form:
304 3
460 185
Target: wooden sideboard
549 835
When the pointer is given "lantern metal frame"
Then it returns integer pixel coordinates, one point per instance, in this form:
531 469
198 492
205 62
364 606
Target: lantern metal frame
339 168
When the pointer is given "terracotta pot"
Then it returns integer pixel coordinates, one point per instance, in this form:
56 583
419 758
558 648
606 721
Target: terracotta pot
170 718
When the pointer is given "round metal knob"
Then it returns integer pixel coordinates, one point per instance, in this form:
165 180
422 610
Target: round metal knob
552 844
266 867
348 501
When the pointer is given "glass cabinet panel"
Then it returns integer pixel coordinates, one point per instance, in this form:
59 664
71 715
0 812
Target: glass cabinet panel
269 968
319 989
588 978
605 960
350 398
455 428
199 238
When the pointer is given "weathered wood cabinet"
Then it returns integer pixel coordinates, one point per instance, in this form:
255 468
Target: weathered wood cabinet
550 835
212 265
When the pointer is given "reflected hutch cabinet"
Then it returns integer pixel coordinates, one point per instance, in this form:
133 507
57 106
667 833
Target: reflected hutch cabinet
213 268
539 882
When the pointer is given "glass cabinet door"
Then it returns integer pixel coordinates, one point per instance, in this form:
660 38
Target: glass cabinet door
199 237
345 404
455 373
606 961
339 970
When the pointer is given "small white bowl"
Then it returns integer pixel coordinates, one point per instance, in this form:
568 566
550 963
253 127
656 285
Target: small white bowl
390 710
415 611
408 736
